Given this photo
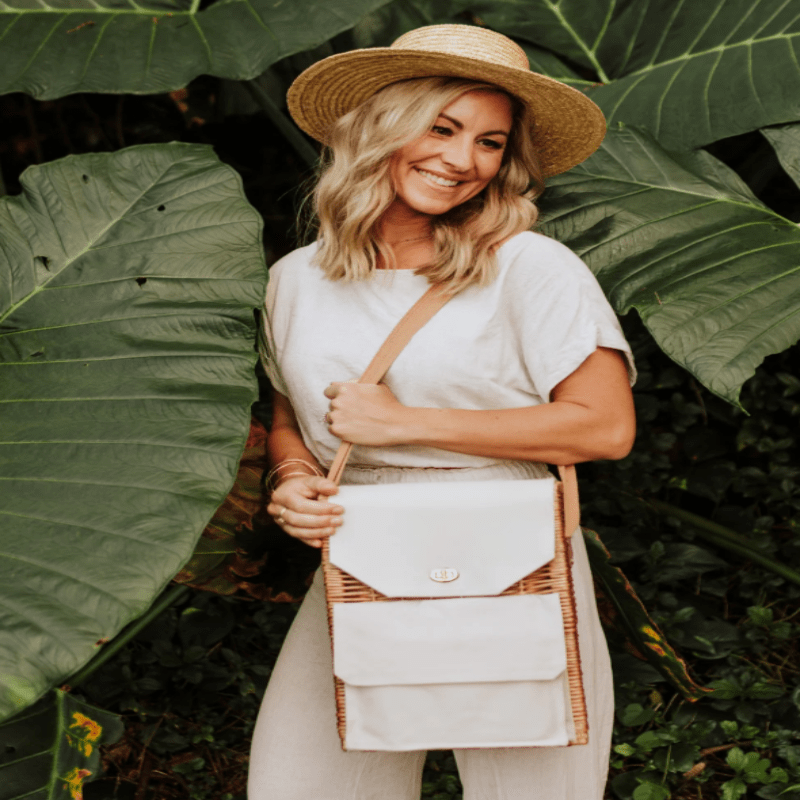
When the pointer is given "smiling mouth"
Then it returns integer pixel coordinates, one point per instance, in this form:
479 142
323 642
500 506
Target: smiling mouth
439 181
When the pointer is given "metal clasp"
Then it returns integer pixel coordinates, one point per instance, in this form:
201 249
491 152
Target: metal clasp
444 575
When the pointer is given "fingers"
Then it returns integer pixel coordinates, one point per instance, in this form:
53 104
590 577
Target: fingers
334 389
291 518
313 536
294 490
295 507
309 528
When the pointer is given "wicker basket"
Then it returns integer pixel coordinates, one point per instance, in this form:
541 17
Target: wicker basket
553 577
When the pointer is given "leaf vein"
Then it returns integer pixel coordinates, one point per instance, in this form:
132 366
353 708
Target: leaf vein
152 488
80 526
49 568
149 356
206 45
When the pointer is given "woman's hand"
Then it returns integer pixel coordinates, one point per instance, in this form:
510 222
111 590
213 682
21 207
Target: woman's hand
365 414
295 507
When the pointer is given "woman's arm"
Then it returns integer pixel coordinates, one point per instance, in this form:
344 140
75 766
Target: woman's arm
590 416
284 440
294 501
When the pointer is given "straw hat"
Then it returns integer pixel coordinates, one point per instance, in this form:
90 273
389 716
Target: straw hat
568 126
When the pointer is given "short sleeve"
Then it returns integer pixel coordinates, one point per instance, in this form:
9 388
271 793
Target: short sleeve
562 316
266 340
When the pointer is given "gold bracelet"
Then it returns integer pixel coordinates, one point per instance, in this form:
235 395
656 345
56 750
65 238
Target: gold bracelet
276 471
282 478
314 468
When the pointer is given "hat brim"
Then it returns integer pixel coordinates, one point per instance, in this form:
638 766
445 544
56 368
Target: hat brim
568 126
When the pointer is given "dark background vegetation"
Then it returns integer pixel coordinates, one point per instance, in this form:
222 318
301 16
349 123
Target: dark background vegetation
189 685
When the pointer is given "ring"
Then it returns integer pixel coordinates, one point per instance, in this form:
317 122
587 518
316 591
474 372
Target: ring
279 519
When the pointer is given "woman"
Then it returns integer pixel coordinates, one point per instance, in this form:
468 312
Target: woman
439 145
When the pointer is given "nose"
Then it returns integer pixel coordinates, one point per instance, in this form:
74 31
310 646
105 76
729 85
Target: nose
457 153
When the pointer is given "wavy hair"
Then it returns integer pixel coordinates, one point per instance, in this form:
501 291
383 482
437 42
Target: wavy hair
355 189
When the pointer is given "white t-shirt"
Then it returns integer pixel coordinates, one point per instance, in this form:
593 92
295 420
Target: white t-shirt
505 345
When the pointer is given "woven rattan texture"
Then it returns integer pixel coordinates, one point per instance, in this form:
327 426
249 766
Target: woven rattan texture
555 576
465 40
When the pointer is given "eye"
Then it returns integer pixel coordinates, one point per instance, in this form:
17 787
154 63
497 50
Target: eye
492 144
441 130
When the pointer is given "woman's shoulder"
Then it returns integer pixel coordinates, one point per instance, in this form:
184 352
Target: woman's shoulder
294 274
532 257
292 277
298 259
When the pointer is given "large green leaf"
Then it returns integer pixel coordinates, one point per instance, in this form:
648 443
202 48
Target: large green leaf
216 564
577 29
49 751
690 72
63 46
714 274
786 141
127 283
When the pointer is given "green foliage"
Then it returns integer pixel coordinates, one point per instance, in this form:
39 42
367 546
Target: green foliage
126 357
155 46
213 565
690 73
711 271
632 617
668 750
749 768
733 621
189 687
786 141
49 751
440 780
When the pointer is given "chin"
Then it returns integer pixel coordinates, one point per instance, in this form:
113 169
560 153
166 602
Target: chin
434 206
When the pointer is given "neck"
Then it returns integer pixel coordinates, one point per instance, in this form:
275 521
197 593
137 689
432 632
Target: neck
403 225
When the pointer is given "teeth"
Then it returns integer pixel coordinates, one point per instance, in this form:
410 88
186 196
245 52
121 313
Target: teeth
437 179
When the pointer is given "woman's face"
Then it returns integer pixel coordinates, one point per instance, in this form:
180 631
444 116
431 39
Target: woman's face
456 158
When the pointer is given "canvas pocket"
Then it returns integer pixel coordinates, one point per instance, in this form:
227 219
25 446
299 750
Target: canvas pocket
452 673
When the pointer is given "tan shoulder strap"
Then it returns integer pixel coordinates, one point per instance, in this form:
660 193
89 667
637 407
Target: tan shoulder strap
572 506
420 313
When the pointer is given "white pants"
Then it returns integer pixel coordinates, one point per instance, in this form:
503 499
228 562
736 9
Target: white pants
296 752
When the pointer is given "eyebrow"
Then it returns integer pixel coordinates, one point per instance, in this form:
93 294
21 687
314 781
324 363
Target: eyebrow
460 126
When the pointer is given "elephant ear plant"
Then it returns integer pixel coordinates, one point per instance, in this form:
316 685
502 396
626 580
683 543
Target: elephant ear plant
127 288
52 49
713 272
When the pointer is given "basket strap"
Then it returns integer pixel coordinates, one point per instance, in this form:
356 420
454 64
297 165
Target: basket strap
420 313
401 335
572 506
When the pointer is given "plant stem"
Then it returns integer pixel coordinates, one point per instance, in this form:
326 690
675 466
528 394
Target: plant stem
725 538
162 604
282 123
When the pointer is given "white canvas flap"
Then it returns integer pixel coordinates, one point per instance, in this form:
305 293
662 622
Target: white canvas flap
455 640
450 539
468 715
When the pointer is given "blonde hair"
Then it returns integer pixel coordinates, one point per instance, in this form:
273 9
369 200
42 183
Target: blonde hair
355 188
